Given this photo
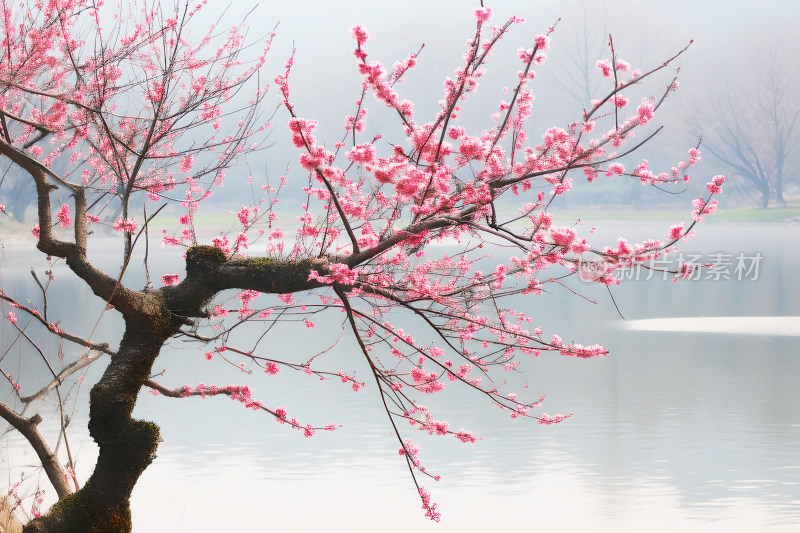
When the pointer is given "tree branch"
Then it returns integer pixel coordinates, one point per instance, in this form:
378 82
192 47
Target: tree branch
27 426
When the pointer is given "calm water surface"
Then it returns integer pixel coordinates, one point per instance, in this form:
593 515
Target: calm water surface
684 427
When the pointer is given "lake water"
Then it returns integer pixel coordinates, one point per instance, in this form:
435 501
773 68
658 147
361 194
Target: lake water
689 425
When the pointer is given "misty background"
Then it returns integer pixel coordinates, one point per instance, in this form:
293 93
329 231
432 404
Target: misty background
737 87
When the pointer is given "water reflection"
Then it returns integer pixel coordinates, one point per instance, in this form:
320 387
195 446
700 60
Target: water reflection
677 430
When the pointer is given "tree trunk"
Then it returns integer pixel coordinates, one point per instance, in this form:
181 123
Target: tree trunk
779 184
765 196
127 446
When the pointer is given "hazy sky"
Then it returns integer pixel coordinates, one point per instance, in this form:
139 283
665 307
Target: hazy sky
731 37
726 33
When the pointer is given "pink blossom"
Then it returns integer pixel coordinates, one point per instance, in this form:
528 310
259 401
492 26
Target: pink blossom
546 419
35 230
605 67
363 153
701 207
11 317
472 148
645 111
168 240
715 185
429 506
127 225
563 187
694 156
464 436
63 216
242 241
686 270
620 101
198 85
13 383
525 55
455 132
562 236
359 33
243 215
675 232
482 14
500 272
221 242
271 368
155 92
169 279
186 163
615 168
542 42
384 170
426 382
248 296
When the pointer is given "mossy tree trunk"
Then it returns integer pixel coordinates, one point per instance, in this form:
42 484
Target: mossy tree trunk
127 446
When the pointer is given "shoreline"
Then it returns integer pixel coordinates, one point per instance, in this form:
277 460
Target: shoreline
15 234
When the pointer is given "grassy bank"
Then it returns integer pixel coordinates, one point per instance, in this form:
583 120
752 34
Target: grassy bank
732 215
773 214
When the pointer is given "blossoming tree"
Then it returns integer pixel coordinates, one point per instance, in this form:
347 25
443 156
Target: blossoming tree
98 118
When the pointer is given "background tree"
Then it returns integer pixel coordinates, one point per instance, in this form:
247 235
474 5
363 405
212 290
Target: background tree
141 110
574 83
754 128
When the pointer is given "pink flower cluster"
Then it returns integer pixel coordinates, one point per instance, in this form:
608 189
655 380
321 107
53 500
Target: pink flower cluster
464 436
426 382
339 273
169 279
187 163
13 383
703 207
428 505
547 420
125 225
63 216
239 393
